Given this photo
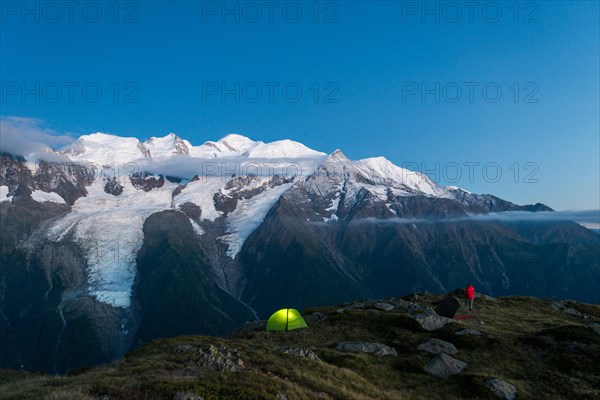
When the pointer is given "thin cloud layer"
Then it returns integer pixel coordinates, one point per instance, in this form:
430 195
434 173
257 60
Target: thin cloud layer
589 218
29 137
187 167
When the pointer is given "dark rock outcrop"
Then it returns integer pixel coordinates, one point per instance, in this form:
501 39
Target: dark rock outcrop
146 181
113 187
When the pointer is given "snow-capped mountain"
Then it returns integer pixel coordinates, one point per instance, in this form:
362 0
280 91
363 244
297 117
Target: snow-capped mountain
120 204
230 145
132 240
167 146
105 149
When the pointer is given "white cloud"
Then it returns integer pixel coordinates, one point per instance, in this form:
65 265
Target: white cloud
588 218
187 167
29 137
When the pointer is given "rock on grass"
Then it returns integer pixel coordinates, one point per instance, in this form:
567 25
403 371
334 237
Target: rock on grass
315 317
186 396
445 366
217 358
298 352
472 332
432 322
384 306
437 346
377 349
502 389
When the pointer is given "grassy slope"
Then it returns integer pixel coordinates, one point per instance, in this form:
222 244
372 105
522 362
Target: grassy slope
526 343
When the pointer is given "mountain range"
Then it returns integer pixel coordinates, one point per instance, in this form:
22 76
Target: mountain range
111 242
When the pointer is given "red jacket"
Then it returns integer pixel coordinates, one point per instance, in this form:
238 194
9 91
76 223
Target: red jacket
470 292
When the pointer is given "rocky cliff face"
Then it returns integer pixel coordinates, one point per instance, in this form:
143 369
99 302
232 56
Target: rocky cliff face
373 257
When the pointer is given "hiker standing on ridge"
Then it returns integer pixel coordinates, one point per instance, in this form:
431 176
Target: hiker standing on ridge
469 296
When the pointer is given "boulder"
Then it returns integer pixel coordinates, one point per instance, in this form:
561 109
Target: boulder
377 349
421 309
384 306
562 306
298 352
315 317
437 346
502 389
356 306
186 396
216 358
412 308
431 322
445 366
399 303
468 331
281 395
221 358
595 327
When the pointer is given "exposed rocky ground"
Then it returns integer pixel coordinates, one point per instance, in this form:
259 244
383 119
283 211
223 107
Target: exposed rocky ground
512 348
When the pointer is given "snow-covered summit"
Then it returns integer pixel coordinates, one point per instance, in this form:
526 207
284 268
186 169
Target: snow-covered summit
159 152
167 146
337 156
229 146
383 171
234 145
282 149
457 189
105 149
237 143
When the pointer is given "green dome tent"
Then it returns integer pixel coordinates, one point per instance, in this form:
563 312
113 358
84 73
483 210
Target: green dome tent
286 319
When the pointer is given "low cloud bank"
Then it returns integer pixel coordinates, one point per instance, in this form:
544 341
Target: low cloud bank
29 137
187 167
589 218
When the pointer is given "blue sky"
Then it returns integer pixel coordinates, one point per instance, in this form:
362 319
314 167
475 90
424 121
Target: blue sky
377 68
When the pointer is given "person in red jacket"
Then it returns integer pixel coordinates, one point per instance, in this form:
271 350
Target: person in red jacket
469 296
